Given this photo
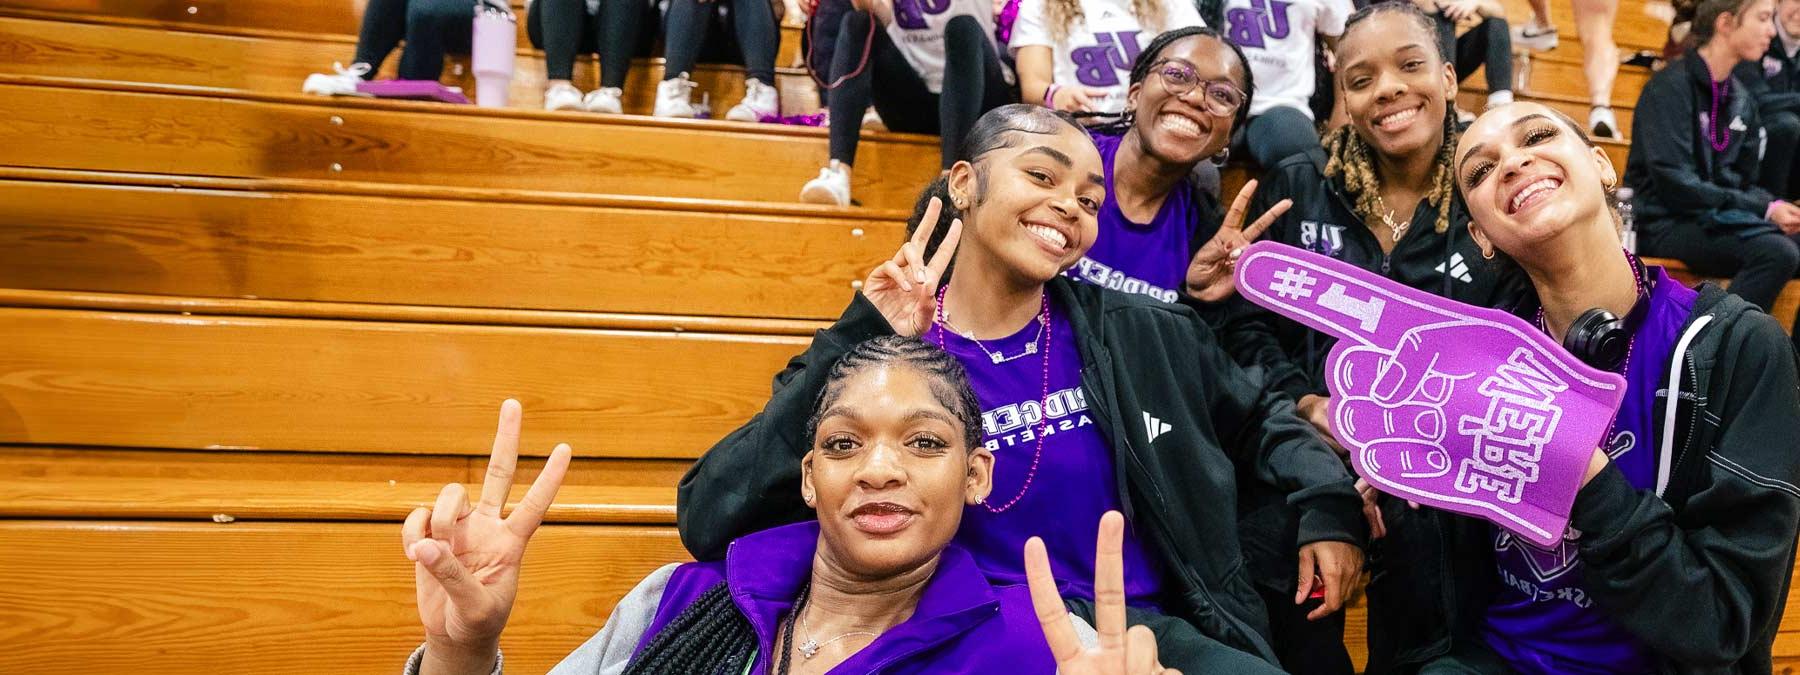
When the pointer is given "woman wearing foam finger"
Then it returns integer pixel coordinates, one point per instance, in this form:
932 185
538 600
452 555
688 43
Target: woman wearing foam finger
1093 401
1682 535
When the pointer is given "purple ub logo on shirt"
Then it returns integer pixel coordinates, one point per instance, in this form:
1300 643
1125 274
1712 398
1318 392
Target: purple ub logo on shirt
1466 409
1248 27
910 14
1099 65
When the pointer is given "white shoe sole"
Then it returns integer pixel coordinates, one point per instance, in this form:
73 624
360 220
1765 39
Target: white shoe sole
819 194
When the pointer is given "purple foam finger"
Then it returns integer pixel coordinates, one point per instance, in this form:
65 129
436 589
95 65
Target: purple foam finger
1467 409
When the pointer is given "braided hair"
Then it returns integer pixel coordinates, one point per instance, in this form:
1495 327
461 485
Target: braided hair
944 374
710 636
1152 53
1352 159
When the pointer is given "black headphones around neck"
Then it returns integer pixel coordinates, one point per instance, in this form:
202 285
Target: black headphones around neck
1600 338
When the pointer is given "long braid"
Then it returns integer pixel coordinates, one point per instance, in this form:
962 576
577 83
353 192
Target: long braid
710 637
1351 159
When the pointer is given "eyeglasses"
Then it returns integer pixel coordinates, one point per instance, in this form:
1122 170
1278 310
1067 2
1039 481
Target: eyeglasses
1222 98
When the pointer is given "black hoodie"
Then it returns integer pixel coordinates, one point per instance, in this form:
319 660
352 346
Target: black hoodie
1675 174
1140 359
1699 575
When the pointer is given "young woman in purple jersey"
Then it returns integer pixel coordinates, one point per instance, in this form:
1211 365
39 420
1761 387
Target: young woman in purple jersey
1682 538
1092 401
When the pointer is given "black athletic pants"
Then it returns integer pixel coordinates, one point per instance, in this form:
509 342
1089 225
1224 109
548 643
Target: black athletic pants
431 28
753 21
1758 266
564 29
1489 44
973 84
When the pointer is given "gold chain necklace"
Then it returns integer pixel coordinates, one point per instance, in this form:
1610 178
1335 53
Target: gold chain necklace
1387 218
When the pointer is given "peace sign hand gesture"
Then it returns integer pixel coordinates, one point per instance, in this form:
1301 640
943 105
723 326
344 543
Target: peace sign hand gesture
1120 652
467 560
905 288
1209 273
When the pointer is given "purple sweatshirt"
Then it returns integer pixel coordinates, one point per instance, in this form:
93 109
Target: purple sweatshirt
963 624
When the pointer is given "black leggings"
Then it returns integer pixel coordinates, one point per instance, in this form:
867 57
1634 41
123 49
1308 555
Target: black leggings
973 84
1778 162
1489 44
1759 266
753 21
563 29
432 28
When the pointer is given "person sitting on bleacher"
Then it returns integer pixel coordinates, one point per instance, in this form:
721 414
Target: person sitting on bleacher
1693 165
1775 83
1093 400
1382 200
431 28
565 29
1487 44
872 583
1281 39
1074 55
758 31
928 66
1681 541
1188 89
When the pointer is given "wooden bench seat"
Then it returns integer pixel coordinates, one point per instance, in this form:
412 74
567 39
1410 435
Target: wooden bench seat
234 238
279 598
130 379
280 62
90 125
1787 305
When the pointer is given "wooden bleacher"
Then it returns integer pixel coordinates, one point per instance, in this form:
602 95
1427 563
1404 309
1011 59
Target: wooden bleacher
248 330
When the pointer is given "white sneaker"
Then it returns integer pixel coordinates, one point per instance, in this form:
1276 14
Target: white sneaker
760 100
831 187
872 120
341 83
674 98
1534 37
562 97
1602 124
604 100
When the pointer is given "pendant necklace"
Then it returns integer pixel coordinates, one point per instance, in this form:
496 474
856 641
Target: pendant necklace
1044 333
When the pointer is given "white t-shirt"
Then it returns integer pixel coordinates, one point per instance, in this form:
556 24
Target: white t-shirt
1101 46
917 29
1279 38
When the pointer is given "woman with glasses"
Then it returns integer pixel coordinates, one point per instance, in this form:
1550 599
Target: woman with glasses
1188 90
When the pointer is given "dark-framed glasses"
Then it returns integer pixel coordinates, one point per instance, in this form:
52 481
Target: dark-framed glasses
1222 99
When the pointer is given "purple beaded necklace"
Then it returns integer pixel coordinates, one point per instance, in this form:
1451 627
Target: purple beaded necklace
941 319
1718 135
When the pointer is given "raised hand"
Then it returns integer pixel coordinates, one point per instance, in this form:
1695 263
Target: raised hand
905 288
1209 273
1120 652
466 560
1463 408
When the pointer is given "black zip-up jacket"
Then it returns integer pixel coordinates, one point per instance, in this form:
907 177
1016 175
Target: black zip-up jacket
1139 358
1322 220
1775 74
1673 171
1699 575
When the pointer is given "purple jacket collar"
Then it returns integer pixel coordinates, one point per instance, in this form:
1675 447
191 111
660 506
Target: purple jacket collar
962 624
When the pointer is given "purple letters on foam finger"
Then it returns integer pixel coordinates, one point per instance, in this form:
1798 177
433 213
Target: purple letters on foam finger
1466 409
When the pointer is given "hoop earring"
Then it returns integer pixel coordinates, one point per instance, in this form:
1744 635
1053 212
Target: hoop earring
1221 158
1487 255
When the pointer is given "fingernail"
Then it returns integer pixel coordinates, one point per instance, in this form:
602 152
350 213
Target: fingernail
425 553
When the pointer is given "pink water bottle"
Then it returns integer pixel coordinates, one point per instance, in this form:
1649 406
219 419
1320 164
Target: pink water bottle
495 42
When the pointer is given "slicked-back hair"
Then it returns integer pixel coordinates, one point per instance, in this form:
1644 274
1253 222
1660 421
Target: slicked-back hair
943 374
1707 13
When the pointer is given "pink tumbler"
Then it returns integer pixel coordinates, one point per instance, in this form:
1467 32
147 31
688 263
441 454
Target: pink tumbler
495 42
